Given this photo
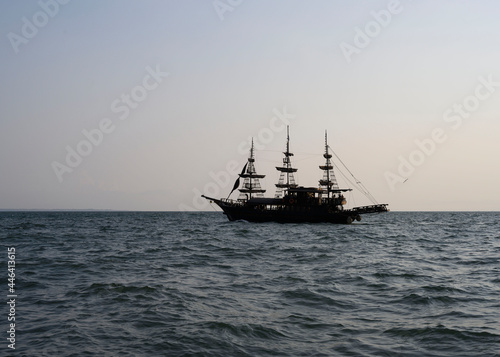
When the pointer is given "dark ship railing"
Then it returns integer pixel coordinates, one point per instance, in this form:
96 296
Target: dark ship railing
369 209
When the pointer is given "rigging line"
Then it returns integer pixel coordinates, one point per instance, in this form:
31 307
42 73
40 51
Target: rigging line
212 206
307 153
357 187
343 164
373 198
367 193
363 189
345 177
353 184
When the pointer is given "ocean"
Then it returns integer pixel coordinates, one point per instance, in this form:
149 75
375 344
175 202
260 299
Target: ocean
195 284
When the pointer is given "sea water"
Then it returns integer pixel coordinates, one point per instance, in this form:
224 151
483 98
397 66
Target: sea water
195 284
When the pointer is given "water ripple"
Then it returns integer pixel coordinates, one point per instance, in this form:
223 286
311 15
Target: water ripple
194 284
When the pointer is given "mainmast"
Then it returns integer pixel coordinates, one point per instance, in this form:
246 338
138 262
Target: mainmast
329 181
286 171
251 183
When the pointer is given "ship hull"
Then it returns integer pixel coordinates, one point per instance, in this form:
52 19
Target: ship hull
295 214
284 217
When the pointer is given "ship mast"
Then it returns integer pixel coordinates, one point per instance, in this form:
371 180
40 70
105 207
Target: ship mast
251 183
329 181
286 171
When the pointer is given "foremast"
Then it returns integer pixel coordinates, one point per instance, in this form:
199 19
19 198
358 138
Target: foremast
287 179
251 184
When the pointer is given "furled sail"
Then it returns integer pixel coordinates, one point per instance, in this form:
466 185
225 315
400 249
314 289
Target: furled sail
237 182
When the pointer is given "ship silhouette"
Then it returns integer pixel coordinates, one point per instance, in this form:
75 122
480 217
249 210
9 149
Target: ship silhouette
293 203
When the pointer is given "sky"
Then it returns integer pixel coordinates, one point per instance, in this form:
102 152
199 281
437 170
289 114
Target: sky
146 105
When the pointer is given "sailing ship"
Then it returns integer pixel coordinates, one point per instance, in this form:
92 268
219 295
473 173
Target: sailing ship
293 203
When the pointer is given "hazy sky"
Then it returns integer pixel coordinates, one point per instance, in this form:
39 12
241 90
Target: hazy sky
143 105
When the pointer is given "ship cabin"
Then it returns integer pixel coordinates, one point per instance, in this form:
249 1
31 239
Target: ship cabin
301 197
304 196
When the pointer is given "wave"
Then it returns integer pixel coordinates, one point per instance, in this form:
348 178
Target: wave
135 283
